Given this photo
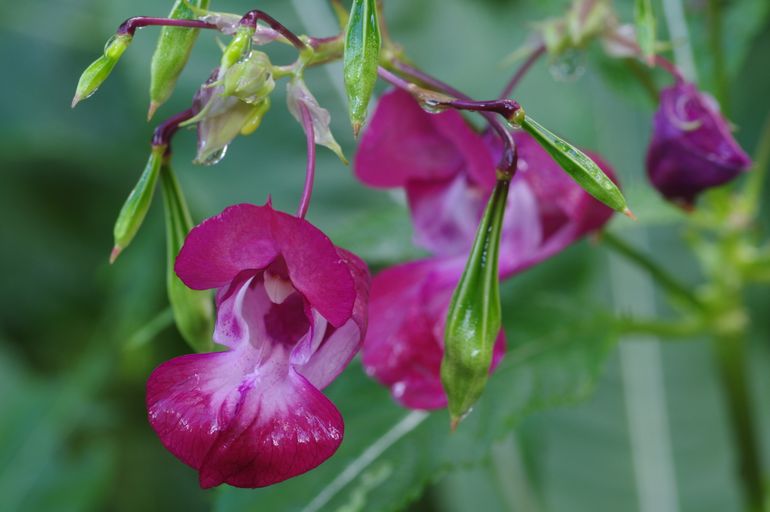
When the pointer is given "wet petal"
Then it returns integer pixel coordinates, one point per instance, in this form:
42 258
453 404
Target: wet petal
238 425
222 246
403 142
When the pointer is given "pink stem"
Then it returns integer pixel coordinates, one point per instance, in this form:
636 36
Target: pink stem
537 52
131 24
251 19
307 124
166 130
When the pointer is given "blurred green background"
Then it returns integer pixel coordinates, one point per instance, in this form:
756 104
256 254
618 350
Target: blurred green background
78 338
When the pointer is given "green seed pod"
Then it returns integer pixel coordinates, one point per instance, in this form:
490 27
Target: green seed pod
100 69
193 309
361 59
138 203
172 52
473 321
251 79
582 169
255 119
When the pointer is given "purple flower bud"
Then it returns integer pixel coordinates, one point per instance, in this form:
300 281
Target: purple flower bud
692 148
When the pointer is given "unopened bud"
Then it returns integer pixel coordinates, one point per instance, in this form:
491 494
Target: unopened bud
100 69
138 203
361 59
473 321
251 79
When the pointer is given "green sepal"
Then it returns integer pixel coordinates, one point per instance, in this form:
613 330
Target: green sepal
361 59
172 53
193 309
473 320
239 46
577 164
96 73
138 203
644 19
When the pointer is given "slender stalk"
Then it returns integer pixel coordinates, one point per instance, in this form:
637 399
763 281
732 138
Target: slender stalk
730 351
683 329
251 19
537 52
659 61
668 282
165 131
756 181
131 24
307 192
717 52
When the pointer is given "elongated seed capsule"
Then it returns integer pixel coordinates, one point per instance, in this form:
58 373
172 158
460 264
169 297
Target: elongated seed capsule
582 169
361 59
193 309
473 319
138 203
172 53
98 71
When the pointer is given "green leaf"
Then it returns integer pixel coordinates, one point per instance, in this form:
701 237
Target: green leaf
389 454
473 319
582 169
193 309
644 18
172 53
361 59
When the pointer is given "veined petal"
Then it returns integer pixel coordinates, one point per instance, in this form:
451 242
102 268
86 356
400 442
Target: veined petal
221 247
339 345
403 142
241 425
249 238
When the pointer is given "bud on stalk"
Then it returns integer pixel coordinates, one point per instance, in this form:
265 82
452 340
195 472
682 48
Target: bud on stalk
100 69
473 321
576 163
172 52
138 203
361 59
193 309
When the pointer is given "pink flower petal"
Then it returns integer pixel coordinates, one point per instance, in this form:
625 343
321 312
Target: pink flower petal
402 142
240 424
249 238
222 246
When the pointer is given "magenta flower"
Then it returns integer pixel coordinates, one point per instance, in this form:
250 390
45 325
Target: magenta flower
692 148
291 310
448 172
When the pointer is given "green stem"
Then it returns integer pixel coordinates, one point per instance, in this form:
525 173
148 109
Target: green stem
683 329
666 280
756 181
715 41
730 351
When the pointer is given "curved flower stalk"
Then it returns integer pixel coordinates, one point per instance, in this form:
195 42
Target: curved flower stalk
291 311
448 173
692 148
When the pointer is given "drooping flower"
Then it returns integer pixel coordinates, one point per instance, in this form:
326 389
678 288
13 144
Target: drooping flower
291 310
692 148
448 173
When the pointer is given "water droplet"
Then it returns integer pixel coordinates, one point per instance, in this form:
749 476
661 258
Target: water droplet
432 106
213 158
569 66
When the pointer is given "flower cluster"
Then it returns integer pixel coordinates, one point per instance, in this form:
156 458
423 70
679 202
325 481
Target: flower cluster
448 172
